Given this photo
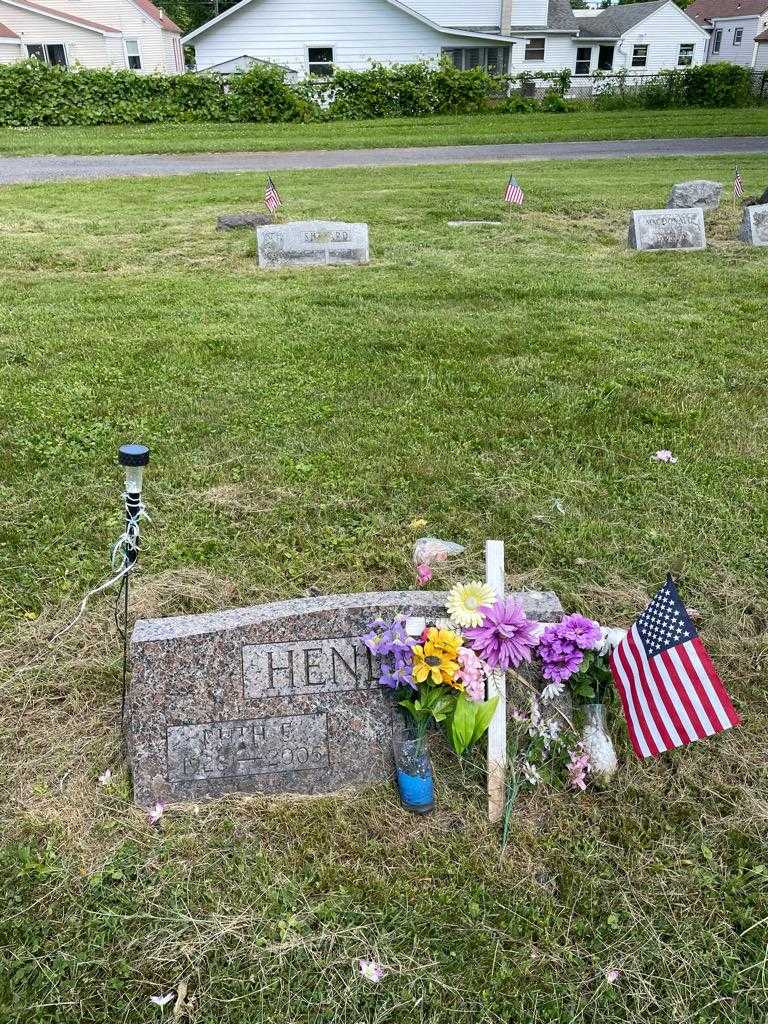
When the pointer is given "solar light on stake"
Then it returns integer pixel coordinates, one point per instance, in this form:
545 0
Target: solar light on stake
134 458
125 551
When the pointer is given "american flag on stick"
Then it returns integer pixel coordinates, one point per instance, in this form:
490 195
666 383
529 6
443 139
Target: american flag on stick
669 689
738 185
513 193
271 196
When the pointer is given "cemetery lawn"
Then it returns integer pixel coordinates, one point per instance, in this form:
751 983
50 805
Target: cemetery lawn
446 130
506 381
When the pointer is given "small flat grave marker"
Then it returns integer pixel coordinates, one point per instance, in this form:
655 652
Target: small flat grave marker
754 227
471 223
279 698
312 243
654 230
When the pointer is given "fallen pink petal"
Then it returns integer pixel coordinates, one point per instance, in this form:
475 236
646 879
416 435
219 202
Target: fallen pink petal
664 455
162 1000
154 815
612 976
371 970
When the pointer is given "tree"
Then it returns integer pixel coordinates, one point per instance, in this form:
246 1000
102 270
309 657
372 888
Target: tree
579 5
189 14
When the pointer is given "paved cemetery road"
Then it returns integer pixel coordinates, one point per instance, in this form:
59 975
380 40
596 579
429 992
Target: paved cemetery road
18 169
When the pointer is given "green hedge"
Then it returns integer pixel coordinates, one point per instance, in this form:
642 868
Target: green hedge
31 93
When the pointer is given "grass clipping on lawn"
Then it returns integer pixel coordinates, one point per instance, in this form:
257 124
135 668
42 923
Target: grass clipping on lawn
509 382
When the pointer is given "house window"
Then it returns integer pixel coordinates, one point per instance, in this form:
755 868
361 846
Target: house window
492 58
48 53
639 56
685 56
534 48
605 59
737 36
133 54
583 59
717 41
320 60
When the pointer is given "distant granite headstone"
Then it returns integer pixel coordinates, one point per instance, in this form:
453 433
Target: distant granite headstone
279 698
667 229
249 219
754 227
687 194
312 243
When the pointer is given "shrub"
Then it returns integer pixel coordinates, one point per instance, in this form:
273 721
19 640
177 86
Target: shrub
261 94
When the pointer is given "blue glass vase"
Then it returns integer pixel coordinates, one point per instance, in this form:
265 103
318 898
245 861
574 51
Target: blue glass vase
414 775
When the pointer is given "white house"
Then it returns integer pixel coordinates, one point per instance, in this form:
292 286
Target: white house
733 27
94 33
313 36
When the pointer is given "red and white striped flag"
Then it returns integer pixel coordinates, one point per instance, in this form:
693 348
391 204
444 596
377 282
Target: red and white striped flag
271 196
513 193
738 185
669 689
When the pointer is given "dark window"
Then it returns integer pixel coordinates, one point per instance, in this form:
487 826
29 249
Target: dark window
685 56
49 53
605 59
639 56
320 60
534 49
718 40
583 59
737 36
492 58
133 54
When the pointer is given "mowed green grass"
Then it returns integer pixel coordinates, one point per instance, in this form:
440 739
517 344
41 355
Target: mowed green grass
507 381
445 130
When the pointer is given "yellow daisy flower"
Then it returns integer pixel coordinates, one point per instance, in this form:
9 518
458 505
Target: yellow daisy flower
464 601
435 664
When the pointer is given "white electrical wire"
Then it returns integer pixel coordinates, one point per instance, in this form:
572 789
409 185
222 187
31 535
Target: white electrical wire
123 564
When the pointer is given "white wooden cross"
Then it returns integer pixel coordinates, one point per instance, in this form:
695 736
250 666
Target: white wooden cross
497 687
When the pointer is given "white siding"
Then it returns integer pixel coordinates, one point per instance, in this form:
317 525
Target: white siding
529 12
662 33
750 27
281 30
559 53
9 53
83 46
128 19
461 13
174 61
760 56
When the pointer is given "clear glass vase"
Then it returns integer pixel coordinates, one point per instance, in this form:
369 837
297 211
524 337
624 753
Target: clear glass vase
603 763
414 774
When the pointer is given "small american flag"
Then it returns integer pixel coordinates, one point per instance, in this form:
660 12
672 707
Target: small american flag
513 194
738 185
669 689
271 196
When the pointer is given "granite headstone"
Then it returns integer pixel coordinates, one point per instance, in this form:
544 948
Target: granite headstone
248 219
651 230
312 243
754 227
686 194
278 698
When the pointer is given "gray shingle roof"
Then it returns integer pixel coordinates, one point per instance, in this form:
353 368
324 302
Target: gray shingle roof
615 21
561 16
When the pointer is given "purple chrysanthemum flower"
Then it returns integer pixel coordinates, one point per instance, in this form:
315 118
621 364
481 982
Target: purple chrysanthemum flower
506 635
559 654
584 632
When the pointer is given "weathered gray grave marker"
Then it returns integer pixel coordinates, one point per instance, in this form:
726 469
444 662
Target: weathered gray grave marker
311 243
687 194
278 698
754 227
654 230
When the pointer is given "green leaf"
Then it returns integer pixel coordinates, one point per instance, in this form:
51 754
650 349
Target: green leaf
483 715
462 724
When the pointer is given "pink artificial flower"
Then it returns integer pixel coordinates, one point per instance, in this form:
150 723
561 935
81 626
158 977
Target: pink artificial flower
423 574
577 768
471 674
